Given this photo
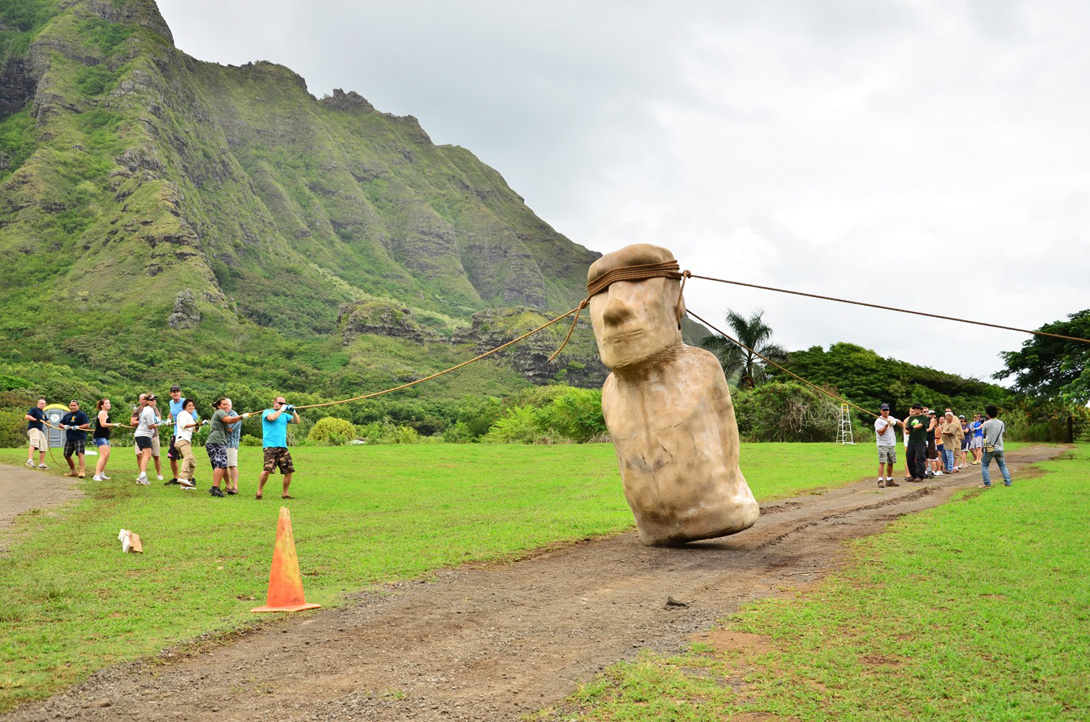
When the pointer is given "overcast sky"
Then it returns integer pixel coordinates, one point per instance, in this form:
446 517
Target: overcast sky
927 154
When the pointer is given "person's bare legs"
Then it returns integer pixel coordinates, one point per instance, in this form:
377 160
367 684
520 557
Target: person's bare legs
232 478
261 483
103 457
145 454
287 483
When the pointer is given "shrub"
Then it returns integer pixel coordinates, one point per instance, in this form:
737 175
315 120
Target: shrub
576 414
331 431
786 411
12 428
248 440
518 425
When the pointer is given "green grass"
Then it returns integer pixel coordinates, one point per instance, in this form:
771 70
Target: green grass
976 610
364 515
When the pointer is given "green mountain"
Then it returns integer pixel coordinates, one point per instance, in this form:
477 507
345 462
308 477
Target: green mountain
167 218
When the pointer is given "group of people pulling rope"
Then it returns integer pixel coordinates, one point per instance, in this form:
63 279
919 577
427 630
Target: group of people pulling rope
221 446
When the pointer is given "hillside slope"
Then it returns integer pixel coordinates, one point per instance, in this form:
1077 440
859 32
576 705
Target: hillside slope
163 215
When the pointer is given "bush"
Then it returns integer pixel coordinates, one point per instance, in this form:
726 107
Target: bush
576 414
518 425
786 411
331 431
13 428
248 440
387 433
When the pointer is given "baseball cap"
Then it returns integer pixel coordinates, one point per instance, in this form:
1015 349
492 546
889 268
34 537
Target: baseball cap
175 388
961 416
73 401
884 407
917 406
151 397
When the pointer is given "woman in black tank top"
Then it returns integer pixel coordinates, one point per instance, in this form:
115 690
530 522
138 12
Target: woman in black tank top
100 434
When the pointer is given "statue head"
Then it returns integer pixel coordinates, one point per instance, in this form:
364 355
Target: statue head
634 321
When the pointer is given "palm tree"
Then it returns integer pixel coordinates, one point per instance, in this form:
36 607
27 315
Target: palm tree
741 365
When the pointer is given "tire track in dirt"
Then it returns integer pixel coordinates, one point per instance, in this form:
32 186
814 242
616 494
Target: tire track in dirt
494 642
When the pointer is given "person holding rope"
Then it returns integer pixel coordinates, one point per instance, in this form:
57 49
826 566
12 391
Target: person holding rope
234 440
146 436
885 433
101 438
216 445
35 429
917 444
274 442
75 424
185 423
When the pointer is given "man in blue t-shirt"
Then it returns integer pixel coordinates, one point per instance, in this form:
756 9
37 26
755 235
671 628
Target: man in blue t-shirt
177 403
75 424
35 429
274 439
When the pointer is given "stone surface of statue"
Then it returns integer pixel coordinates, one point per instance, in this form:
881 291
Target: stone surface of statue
667 407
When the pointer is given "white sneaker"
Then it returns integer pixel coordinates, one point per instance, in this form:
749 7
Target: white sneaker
96 477
142 479
938 473
160 477
42 466
30 463
186 484
105 478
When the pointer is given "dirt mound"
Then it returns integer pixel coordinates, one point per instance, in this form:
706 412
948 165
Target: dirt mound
496 642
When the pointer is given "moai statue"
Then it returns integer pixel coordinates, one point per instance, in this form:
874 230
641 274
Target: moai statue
666 404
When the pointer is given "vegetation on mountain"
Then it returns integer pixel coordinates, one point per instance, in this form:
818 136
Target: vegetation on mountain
165 219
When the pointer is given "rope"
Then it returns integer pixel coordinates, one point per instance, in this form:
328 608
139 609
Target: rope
781 368
452 368
639 272
898 310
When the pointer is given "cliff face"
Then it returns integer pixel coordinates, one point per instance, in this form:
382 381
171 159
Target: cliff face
153 199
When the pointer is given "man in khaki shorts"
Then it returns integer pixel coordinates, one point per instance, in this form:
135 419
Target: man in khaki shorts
35 428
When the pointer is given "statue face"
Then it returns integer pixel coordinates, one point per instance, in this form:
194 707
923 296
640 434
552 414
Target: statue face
634 321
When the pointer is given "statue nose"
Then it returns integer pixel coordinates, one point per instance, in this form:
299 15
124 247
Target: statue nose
618 305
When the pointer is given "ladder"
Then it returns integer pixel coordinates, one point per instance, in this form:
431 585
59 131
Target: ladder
844 430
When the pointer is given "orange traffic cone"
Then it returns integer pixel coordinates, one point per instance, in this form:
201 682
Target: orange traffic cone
285 581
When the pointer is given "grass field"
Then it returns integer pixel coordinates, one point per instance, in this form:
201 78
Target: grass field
363 515
976 610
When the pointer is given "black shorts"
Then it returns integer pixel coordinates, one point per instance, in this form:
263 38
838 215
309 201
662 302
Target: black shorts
73 446
142 442
172 452
217 454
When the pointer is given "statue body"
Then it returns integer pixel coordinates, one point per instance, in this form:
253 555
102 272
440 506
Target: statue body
668 410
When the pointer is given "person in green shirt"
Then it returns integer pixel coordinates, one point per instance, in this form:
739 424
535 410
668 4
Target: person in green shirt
216 445
916 452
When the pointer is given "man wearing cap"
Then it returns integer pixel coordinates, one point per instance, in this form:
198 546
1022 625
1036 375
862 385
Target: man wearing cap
75 424
177 404
885 433
917 444
35 429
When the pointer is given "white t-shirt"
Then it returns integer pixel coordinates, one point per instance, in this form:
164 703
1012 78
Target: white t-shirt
889 438
147 418
184 419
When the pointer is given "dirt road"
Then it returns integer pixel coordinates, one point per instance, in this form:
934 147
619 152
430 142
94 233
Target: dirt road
497 642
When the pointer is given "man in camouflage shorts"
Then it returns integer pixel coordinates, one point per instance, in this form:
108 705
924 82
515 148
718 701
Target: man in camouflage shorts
274 439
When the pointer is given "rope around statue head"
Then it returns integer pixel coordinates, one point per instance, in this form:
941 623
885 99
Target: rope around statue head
639 272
